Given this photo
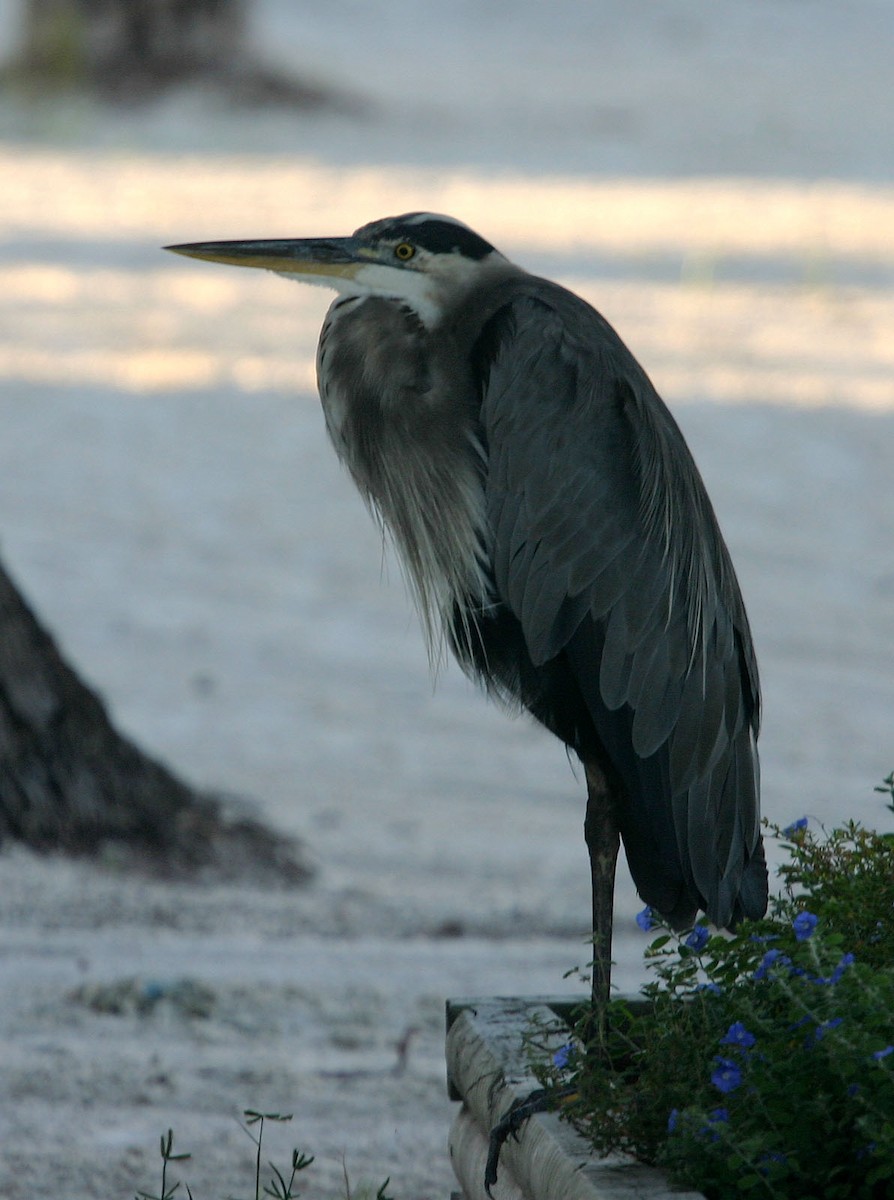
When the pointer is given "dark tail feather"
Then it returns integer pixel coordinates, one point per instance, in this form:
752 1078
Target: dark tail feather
753 894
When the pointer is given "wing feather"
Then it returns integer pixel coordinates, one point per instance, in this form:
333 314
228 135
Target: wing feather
606 550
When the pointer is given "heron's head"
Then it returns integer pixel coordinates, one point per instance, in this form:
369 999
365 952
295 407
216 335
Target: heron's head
423 260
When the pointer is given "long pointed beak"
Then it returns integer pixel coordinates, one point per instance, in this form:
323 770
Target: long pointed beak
332 257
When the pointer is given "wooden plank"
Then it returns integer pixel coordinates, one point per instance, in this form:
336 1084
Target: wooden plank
487 1066
468 1153
564 1007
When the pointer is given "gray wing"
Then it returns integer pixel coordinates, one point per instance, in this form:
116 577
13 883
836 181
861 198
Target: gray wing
607 551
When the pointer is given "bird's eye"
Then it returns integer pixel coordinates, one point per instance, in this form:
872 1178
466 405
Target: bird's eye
404 251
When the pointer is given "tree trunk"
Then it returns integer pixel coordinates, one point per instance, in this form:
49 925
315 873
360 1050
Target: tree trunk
120 44
126 50
70 782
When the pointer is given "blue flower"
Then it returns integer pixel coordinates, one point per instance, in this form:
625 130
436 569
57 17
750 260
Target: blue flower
878 1055
846 960
738 1035
698 939
767 1159
773 958
644 919
821 1030
795 827
717 1116
563 1055
804 925
726 1076
673 1119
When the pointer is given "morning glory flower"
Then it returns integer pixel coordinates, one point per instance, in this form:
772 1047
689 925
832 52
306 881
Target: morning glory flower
773 958
768 1158
846 960
804 925
727 1075
698 939
644 919
738 1035
672 1120
878 1055
795 827
821 1030
717 1116
563 1055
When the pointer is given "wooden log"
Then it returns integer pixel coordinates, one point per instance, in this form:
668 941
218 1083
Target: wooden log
468 1154
488 1068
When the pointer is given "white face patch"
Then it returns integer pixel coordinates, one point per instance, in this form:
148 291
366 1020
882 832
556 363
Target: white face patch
411 287
408 285
429 286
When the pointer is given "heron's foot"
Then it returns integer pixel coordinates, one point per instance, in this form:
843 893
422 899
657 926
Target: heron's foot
509 1125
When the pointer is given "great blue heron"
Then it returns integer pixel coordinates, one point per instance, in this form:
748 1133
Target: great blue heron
556 532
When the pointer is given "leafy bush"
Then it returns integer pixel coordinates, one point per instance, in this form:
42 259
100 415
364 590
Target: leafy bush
762 1062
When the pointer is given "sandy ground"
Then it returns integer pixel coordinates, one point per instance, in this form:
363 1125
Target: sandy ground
718 180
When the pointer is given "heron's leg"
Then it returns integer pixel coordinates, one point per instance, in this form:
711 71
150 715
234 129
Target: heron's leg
603 841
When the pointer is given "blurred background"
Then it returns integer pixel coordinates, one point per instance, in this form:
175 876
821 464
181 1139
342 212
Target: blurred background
717 178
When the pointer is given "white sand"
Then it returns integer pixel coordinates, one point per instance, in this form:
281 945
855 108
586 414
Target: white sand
718 180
